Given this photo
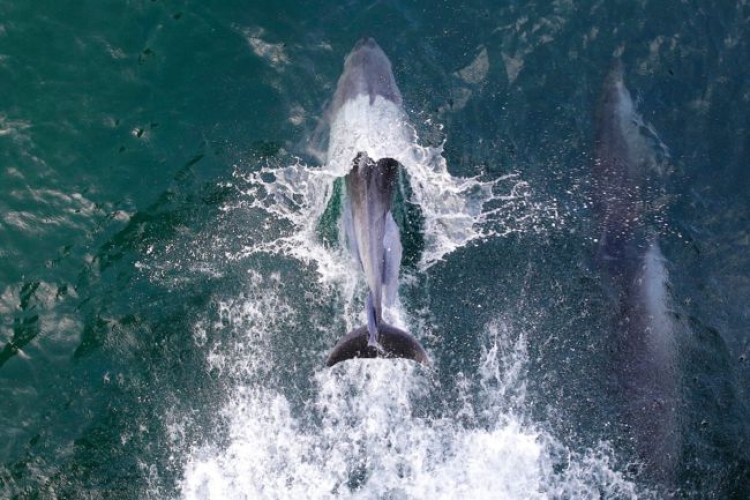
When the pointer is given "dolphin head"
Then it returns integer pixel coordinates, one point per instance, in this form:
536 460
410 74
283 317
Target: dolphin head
367 71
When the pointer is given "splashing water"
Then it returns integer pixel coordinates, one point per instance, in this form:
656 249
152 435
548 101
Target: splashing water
368 429
367 434
456 210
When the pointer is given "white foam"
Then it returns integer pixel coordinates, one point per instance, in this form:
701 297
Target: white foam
456 210
365 435
369 429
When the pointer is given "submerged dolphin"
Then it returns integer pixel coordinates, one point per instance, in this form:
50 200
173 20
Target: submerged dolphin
646 357
367 92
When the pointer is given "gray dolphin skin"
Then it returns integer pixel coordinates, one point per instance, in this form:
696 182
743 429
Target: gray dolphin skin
372 234
367 70
646 354
618 172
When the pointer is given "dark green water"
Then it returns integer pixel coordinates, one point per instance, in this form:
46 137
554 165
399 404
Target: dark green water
162 332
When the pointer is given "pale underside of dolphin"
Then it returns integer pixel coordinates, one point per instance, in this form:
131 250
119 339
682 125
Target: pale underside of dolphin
628 251
371 232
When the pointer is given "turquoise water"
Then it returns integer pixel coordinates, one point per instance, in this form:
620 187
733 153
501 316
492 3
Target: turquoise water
167 296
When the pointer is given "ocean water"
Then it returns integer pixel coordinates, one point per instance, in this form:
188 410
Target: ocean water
172 278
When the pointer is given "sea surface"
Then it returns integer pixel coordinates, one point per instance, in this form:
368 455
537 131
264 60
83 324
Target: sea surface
172 275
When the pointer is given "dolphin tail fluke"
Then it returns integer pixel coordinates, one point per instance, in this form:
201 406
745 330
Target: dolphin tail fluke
394 343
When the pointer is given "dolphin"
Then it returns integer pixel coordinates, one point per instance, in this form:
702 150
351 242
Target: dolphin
628 252
368 86
367 71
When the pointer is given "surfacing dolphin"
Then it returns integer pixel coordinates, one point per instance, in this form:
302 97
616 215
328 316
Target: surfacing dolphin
371 232
624 176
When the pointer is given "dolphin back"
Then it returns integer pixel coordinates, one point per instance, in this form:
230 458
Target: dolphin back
645 350
371 231
394 343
